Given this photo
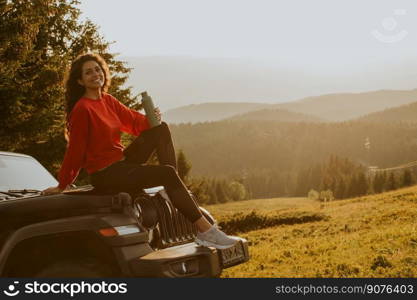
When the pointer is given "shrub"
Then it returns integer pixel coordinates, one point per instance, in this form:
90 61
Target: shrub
244 222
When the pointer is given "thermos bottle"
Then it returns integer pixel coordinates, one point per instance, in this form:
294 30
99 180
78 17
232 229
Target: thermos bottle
149 109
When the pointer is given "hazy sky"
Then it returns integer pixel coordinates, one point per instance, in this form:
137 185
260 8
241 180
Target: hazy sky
343 46
317 32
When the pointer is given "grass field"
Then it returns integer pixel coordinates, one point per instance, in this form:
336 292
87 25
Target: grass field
371 236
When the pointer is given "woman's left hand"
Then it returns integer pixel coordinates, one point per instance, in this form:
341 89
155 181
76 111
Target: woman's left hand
158 114
52 191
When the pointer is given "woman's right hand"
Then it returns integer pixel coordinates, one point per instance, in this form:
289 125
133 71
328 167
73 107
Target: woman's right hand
52 191
158 114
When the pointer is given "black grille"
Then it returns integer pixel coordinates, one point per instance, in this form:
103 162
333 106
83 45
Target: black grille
173 228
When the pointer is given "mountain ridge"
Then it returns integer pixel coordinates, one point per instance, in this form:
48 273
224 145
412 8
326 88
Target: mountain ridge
403 113
330 107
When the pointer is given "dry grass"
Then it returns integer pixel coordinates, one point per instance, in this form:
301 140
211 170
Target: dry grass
372 236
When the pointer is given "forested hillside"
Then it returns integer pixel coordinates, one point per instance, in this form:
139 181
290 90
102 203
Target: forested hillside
288 159
231 147
281 115
403 113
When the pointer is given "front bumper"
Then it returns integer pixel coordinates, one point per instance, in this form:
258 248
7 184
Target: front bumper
189 260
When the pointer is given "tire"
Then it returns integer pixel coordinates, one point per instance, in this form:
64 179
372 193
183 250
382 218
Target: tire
76 268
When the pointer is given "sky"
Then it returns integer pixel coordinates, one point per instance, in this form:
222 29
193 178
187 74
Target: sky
324 30
322 35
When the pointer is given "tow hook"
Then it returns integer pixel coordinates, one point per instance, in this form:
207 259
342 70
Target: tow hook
121 200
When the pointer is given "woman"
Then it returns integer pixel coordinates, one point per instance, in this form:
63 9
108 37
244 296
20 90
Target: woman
94 122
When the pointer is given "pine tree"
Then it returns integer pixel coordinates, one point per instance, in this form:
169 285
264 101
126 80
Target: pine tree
340 189
391 182
212 192
384 180
362 184
407 179
199 188
316 175
38 40
303 183
237 191
378 183
352 189
183 165
220 193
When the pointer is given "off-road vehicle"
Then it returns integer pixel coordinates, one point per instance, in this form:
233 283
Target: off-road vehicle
84 233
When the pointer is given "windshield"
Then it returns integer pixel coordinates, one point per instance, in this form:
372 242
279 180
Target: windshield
19 172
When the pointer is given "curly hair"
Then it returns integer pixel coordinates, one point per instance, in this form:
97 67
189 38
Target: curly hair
73 90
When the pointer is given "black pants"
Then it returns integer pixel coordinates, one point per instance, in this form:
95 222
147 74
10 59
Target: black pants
132 174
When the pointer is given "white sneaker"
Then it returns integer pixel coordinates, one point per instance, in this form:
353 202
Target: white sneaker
216 238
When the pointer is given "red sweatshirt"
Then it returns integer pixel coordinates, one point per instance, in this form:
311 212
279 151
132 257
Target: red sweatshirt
94 135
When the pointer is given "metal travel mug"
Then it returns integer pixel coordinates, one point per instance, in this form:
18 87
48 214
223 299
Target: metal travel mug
149 109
